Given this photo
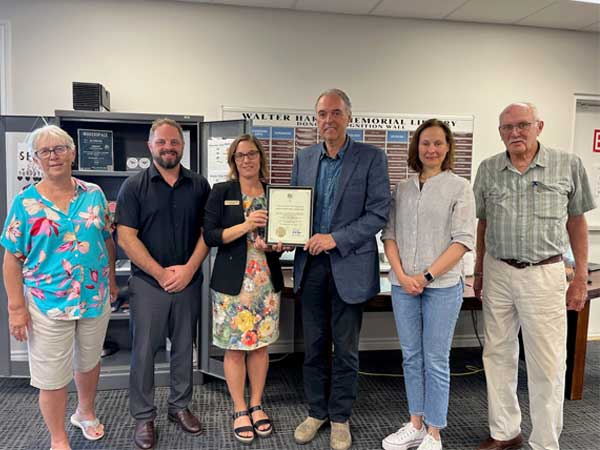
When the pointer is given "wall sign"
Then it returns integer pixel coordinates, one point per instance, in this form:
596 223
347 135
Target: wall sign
284 132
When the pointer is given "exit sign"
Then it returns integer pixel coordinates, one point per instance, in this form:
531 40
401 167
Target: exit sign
597 141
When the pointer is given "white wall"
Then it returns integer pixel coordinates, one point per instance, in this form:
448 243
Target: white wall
170 57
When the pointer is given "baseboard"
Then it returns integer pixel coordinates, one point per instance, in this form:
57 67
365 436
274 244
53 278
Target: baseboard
367 344
282 346
19 355
392 343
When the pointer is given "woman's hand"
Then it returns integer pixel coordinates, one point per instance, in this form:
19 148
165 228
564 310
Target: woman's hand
19 322
412 284
256 219
260 244
113 288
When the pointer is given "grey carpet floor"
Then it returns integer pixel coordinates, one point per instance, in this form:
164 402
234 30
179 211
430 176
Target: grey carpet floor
380 408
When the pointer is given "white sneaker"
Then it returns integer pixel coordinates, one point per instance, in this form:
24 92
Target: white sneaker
405 438
430 443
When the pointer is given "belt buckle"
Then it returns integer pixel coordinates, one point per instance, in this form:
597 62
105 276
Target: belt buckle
522 264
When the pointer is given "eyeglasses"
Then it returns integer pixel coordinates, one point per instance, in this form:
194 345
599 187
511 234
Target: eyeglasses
253 154
44 153
521 126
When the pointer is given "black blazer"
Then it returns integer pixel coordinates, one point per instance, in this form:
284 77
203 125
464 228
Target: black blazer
230 264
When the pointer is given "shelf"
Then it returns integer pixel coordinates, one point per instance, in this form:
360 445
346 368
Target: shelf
119 315
104 173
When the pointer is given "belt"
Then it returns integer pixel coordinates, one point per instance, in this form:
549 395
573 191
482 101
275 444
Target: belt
522 264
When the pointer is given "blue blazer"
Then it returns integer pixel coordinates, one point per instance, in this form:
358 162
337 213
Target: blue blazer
360 209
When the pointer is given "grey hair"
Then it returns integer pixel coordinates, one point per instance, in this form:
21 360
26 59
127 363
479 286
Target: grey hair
341 94
531 106
48 130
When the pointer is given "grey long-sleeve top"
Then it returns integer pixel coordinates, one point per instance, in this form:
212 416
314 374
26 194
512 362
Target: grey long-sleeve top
425 222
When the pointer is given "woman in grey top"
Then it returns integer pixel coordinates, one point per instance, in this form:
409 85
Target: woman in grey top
431 225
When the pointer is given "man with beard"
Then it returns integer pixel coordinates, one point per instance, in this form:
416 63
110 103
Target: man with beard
159 218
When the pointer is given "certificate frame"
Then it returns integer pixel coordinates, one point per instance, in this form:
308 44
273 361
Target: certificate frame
290 210
96 149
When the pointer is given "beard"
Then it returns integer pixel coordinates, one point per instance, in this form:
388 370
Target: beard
170 164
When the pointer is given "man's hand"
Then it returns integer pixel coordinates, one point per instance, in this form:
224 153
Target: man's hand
577 295
19 322
478 285
178 278
413 284
320 243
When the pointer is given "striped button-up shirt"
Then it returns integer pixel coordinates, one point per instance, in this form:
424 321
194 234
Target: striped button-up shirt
424 222
526 214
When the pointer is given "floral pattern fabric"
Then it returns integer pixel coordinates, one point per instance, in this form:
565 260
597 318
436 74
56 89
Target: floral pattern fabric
249 320
64 256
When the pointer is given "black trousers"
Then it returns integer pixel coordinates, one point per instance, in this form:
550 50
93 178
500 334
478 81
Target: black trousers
155 315
330 386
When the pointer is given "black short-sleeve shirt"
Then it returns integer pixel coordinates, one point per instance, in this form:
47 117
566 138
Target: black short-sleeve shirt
169 219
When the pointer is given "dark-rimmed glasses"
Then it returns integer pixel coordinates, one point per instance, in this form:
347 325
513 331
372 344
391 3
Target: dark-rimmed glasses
44 153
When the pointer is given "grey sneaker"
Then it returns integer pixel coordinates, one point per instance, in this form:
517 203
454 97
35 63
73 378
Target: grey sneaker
307 430
405 438
341 439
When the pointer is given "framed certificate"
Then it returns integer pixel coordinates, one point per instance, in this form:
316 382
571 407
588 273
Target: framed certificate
290 214
95 149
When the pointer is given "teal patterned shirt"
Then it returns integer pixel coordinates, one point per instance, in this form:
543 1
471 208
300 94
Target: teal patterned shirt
64 255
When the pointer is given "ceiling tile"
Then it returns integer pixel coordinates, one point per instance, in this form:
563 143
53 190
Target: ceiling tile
564 14
337 6
494 11
426 9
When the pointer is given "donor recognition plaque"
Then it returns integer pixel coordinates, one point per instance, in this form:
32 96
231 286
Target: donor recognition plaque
290 214
95 149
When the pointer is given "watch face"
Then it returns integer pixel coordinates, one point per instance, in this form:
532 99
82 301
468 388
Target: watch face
428 277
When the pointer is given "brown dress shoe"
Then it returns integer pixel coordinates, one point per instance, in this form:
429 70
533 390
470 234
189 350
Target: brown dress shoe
144 435
492 444
186 421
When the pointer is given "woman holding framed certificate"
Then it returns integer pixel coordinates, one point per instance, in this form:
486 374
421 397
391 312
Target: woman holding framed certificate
246 282
431 226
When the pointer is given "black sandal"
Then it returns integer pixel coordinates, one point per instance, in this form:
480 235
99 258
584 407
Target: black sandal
261 422
243 429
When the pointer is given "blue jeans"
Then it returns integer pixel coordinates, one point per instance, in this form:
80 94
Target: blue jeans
425 325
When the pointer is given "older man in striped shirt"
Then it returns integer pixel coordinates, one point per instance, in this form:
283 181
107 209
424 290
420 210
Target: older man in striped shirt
531 202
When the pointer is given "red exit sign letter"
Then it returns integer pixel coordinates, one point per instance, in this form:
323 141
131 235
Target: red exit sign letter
597 141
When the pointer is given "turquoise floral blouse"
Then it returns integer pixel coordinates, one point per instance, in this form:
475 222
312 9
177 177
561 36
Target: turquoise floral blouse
64 256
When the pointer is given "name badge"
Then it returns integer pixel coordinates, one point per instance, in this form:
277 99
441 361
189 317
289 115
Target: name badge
232 202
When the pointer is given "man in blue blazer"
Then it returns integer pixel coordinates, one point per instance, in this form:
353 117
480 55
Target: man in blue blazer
338 268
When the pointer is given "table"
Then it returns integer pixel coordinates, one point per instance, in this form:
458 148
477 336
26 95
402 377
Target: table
577 327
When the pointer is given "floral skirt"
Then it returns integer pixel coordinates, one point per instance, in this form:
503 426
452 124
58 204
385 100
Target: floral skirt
249 320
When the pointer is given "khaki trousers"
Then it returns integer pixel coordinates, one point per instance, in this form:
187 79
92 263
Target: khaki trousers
532 299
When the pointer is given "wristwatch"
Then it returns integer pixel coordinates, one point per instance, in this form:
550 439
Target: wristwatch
428 277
